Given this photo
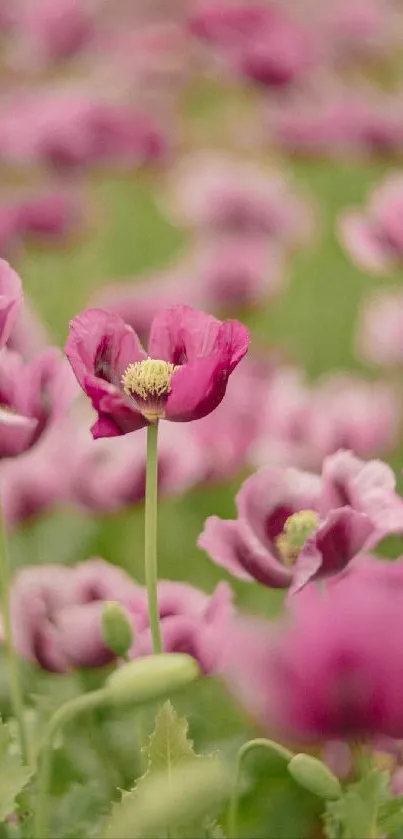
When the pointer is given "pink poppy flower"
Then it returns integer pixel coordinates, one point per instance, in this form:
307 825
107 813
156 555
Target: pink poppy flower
295 526
223 195
29 334
374 238
10 300
32 396
48 32
332 668
379 337
184 376
57 615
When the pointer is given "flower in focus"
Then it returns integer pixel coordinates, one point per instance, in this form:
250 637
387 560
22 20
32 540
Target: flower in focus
32 396
57 615
374 238
184 377
332 668
295 526
10 301
379 338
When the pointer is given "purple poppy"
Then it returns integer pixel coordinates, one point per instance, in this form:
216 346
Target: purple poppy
332 668
32 396
57 616
184 376
295 526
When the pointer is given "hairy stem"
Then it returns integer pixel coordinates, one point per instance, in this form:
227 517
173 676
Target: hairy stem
150 553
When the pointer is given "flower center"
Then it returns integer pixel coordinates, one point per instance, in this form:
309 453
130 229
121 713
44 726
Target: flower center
148 382
297 530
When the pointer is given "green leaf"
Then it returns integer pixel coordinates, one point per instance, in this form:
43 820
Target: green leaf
390 818
178 806
14 776
354 816
177 781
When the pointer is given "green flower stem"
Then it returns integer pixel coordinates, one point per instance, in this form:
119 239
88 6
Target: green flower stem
16 693
259 742
150 553
77 705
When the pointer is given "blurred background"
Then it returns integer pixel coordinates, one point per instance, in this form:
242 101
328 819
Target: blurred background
241 157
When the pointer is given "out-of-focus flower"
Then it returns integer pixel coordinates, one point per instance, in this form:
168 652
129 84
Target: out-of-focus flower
111 475
233 271
29 334
184 377
259 42
39 479
220 195
57 615
374 238
32 396
379 338
301 424
332 669
360 29
226 436
295 526
47 32
73 128
337 123
10 301
191 622
350 413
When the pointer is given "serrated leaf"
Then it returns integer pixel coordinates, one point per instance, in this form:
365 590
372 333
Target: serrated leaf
179 808
168 746
14 776
171 760
354 815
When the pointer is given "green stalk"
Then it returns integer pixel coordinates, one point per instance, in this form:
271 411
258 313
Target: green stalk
259 742
84 702
150 553
16 693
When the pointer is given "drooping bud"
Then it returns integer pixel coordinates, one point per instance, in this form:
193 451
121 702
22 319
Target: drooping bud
297 529
117 631
152 677
312 774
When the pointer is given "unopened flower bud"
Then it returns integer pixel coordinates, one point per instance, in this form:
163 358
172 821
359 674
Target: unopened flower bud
312 774
152 677
117 631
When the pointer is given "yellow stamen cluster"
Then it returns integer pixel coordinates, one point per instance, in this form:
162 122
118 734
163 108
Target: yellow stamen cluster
150 382
297 529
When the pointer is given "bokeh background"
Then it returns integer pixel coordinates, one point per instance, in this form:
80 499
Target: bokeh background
156 61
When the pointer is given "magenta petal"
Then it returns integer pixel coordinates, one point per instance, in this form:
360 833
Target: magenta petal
271 495
182 334
10 300
101 344
342 535
197 389
16 433
232 545
112 407
233 340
